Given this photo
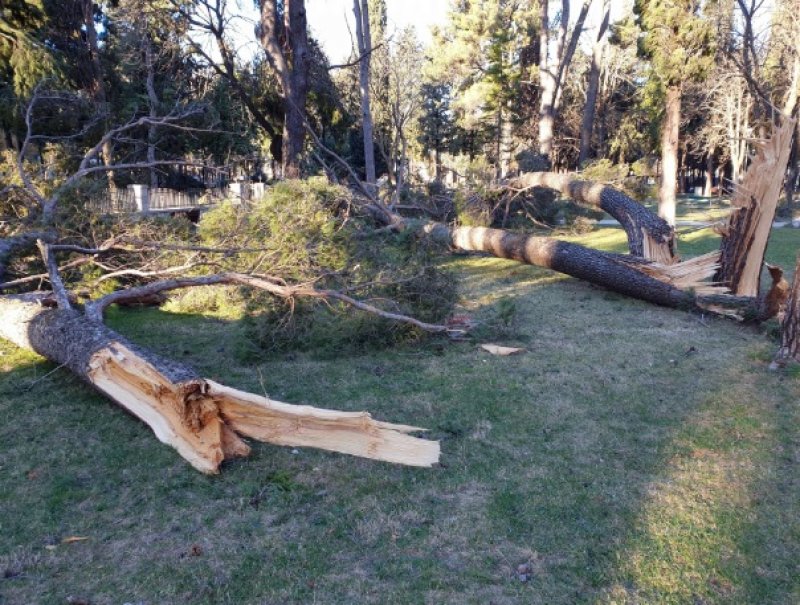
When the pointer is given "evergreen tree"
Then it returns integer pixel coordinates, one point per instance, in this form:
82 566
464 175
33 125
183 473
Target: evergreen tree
436 122
679 43
478 54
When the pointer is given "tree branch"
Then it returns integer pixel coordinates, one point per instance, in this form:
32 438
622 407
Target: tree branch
94 310
60 292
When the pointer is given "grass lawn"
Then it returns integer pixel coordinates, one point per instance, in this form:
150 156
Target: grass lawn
633 455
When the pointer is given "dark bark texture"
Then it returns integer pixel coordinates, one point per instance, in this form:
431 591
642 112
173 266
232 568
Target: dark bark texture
615 272
790 325
286 44
649 236
67 337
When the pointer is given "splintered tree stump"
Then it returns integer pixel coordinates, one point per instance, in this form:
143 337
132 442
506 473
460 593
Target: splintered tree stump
755 199
200 418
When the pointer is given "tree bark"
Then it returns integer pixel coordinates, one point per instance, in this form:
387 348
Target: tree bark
198 417
552 72
97 87
592 87
708 188
649 236
152 101
791 175
364 41
670 132
286 46
790 324
547 85
615 272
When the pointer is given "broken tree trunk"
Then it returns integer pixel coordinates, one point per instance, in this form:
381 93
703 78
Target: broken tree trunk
745 236
649 235
620 273
201 419
790 324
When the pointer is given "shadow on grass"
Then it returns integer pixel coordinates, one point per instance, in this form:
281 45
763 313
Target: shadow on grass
718 523
552 461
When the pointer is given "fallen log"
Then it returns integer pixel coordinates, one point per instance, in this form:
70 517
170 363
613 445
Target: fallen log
649 235
201 419
616 272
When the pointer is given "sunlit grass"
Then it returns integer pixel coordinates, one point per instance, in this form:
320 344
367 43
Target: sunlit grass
633 454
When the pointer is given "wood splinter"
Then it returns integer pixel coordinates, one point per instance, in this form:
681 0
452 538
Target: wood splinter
201 419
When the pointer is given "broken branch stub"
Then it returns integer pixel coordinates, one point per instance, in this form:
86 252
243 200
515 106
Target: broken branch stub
200 418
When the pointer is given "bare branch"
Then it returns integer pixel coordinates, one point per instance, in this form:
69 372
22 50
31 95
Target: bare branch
41 277
95 309
356 61
60 292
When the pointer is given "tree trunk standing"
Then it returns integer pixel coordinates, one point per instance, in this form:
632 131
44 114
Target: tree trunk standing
152 100
565 57
670 130
97 88
790 325
552 72
791 175
506 143
286 45
294 130
683 177
364 42
708 188
592 87
400 179
547 85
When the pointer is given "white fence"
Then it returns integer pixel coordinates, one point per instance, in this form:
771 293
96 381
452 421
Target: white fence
141 198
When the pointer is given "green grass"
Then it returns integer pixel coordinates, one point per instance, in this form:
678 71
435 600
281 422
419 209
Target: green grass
632 455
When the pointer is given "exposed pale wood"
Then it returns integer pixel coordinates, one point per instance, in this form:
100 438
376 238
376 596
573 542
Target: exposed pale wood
755 200
178 414
353 433
501 350
197 417
693 274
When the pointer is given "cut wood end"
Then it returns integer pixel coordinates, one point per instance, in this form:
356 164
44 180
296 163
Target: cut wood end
692 274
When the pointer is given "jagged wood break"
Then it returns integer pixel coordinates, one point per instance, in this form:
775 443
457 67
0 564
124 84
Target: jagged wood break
201 419
745 236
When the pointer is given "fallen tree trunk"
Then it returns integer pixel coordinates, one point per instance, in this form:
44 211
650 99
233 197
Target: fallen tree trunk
617 272
201 419
649 235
